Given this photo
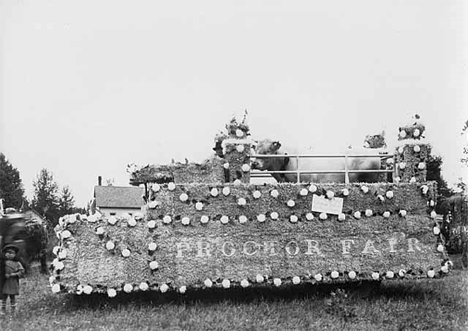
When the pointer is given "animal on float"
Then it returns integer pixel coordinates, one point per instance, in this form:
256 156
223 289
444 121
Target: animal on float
287 163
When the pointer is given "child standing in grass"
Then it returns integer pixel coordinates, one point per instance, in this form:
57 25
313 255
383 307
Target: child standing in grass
13 270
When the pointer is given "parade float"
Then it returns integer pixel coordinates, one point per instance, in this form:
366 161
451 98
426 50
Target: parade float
205 225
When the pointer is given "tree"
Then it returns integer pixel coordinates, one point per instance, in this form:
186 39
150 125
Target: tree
66 203
45 199
434 165
11 187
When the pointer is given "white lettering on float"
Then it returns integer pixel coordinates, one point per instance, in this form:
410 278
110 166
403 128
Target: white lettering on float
292 248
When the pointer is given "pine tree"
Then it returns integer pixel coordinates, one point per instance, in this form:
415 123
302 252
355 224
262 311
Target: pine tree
11 187
45 199
66 201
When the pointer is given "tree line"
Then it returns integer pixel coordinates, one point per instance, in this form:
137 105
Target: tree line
49 200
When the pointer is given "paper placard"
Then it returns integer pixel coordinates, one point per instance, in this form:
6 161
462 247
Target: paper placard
332 206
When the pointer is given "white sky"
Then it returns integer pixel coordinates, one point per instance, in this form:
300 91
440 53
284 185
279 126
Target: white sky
90 86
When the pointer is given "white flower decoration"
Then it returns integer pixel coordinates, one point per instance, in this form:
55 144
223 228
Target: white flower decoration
357 214
259 278
341 217
436 230
185 220
421 165
244 283
431 273
245 168
125 252
208 282
291 203
204 219
224 219
335 274
242 219
309 216
257 194
151 224
296 280
112 220
416 148
62 254
432 203
154 265
240 148
312 188
352 274
59 266
237 182
182 289
153 204
293 219
345 192
111 293
440 248
131 222
261 218
56 288
375 275
413 180
87 289
199 206
318 277
402 134
402 273
401 149
330 194
389 194
128 288
364 188
416 133
386 214
304 192
171 186
110 245
389 274
226 191
274 215
403 213
369 212
183 197
241 202
164 288
167 219
397 179
144 286
226 283
214 192
65 234
152 246
433 214
274 193
277 281
390 161
239 133
445 269
226 165
402 165
155 187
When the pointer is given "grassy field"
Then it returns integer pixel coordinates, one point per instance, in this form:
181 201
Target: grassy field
395 305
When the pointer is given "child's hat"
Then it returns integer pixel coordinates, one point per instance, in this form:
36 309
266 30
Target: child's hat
10 248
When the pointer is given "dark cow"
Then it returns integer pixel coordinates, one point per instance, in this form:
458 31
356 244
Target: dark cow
286 163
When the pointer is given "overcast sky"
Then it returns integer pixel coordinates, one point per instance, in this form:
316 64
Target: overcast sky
90 86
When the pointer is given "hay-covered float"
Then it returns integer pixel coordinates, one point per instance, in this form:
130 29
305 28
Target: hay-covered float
205 225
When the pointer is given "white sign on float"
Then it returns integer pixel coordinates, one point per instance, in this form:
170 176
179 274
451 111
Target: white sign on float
332 206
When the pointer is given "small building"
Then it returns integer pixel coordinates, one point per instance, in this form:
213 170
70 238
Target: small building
117 200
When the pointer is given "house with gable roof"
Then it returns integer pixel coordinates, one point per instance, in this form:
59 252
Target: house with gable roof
117 200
